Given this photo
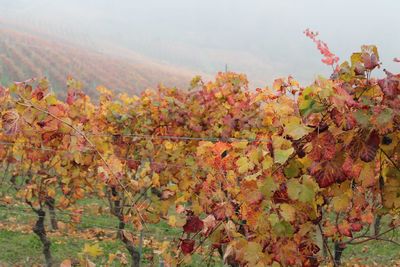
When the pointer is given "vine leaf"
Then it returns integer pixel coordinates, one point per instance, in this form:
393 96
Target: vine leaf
369 148
193 224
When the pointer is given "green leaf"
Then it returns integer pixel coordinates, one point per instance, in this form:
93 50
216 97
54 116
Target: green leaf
283 229
385 117
307 194
244 164
267 162
51 100
268 187
281 156
295 129
293 189
293 169
302 192
305 106
361 118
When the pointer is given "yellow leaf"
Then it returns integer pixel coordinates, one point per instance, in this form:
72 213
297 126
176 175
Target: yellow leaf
240 144
92 250
244 164
218 95
267 162
341 203
277 84
367 176
172 220
231 176
255 155
161 249
51 100
252 253
288 212
156 180
252 177
168 145
51 192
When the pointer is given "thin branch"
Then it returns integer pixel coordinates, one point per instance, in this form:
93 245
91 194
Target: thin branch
326 245
388 157
375 237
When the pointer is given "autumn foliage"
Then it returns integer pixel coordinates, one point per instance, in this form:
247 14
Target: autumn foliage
250 175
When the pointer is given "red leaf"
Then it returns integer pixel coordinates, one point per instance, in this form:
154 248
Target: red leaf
10 122
327 173
370 61
349 123
281 195
369 148
132 164
356 227
345 229
57 110
193 224
390 85
308 248
323 147
187 246
336 116
38 94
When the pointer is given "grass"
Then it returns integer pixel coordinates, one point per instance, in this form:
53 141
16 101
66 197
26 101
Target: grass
25 249
375 252
19 246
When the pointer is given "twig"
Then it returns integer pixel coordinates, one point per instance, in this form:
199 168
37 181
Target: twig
326 245
375 237
388 157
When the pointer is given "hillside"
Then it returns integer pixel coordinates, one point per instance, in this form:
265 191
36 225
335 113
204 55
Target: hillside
24 55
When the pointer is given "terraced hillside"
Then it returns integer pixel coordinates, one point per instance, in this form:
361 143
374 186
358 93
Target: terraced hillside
24 56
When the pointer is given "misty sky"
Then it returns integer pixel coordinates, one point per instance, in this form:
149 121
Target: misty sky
259 37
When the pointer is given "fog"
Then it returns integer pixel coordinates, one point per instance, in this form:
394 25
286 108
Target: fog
261 38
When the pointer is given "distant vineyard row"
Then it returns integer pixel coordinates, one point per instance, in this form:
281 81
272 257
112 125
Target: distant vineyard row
23 55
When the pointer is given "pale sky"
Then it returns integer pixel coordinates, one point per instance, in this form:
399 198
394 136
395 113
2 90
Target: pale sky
259 37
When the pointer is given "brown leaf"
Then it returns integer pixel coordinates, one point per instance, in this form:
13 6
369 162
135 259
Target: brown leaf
66 263
223 210
209 224
166 194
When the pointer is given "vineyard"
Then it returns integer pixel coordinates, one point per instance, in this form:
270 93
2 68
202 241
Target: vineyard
24 55
216 175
